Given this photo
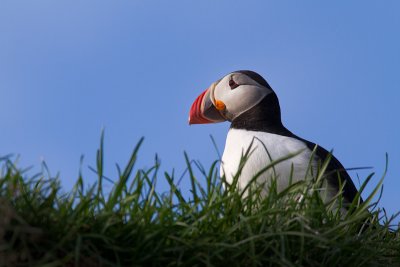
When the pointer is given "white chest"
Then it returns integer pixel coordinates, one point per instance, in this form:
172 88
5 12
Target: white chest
266 147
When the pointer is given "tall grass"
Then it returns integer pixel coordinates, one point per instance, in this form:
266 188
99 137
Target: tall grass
214 224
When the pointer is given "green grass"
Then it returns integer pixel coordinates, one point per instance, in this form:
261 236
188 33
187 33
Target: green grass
212 225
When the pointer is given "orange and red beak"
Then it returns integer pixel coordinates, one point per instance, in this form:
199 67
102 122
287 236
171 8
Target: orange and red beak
205 109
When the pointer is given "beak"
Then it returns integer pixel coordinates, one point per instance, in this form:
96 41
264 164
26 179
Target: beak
203 109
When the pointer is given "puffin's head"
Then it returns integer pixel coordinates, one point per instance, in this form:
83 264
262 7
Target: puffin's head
229 97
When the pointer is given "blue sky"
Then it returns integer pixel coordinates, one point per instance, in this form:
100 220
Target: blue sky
70 68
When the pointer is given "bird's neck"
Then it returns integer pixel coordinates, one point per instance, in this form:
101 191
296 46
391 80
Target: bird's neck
265 117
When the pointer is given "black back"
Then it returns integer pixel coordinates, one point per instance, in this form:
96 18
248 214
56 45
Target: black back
337 174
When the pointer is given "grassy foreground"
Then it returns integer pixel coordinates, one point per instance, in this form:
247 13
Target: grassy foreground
216 225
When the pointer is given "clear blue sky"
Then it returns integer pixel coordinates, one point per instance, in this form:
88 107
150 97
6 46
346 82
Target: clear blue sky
70 68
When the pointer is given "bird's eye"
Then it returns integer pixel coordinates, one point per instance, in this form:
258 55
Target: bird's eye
232 84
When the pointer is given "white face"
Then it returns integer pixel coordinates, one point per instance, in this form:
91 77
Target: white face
238 92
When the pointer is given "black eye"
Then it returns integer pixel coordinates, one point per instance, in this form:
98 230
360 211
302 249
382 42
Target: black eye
232 84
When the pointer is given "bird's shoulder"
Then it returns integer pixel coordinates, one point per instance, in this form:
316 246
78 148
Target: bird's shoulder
336 173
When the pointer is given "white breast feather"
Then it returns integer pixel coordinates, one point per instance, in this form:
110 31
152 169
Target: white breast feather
278 146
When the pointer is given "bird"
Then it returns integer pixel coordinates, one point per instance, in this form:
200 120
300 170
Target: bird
248 102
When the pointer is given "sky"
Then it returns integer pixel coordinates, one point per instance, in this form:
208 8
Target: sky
69 69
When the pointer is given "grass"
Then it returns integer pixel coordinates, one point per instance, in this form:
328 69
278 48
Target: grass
213 225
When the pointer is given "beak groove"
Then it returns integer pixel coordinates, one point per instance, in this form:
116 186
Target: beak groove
203 109
196 111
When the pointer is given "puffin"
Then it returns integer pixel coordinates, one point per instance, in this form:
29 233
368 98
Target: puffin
247 101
